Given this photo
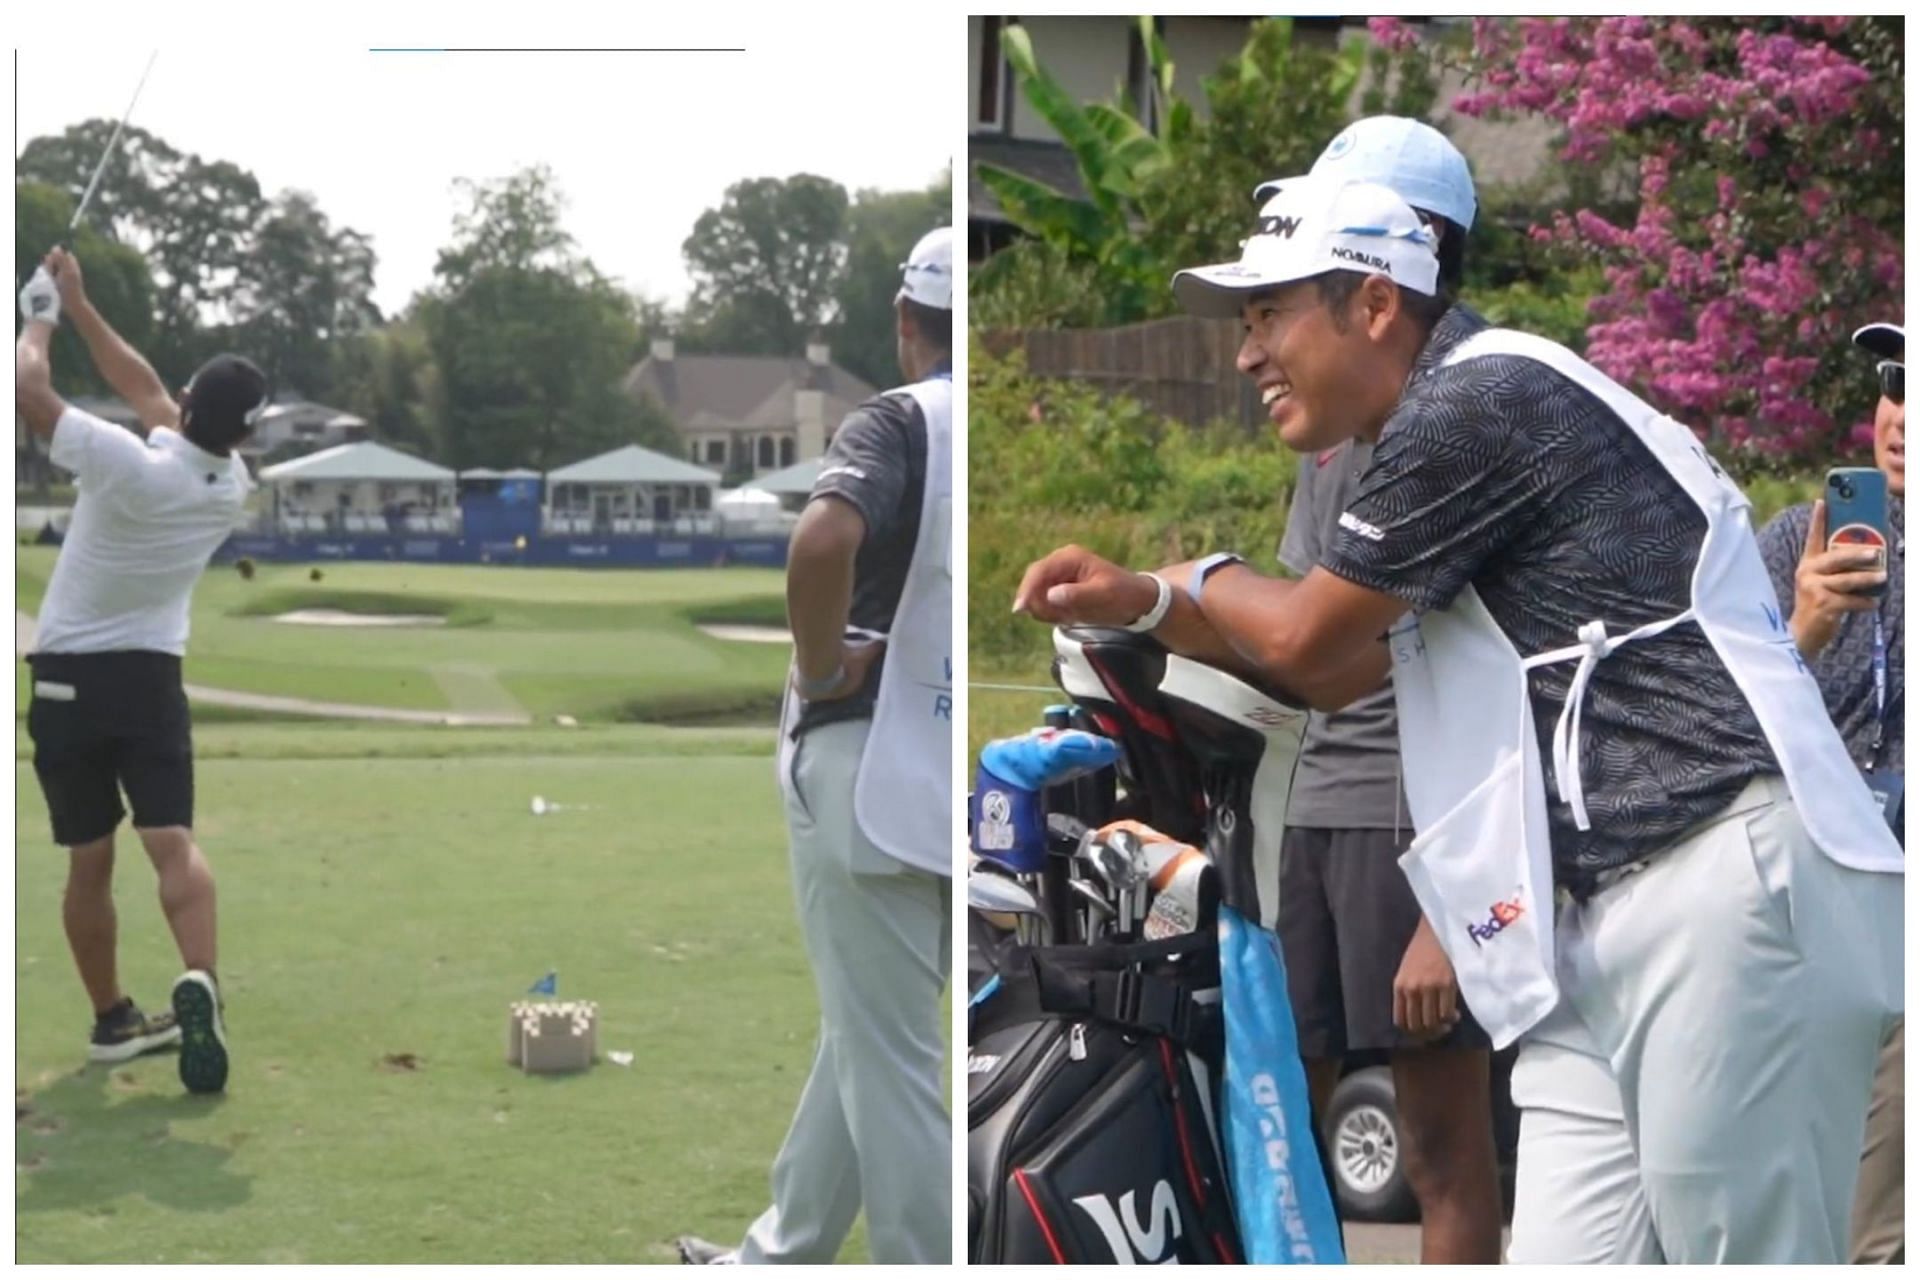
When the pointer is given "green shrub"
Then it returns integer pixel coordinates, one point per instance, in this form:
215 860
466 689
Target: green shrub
1551 306
1054 462
1771 494
1035 284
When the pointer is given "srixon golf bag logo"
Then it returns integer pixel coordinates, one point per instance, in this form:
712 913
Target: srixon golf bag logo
1501 915
1129 1238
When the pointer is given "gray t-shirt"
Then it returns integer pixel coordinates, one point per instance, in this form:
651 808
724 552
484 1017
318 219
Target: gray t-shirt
1349 772
877 461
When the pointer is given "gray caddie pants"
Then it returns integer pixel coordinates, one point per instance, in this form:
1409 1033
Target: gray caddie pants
1700 1092
871 1130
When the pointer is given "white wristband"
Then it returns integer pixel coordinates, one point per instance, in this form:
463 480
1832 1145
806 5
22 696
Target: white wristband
812 689
1153 617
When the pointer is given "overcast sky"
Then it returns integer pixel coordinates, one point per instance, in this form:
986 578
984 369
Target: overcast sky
641 143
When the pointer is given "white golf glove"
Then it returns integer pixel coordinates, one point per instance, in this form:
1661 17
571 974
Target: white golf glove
40 299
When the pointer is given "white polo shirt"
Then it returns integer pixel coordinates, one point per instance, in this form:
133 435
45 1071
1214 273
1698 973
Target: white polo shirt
150 515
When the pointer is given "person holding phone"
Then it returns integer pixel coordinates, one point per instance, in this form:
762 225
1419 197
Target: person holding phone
1847 614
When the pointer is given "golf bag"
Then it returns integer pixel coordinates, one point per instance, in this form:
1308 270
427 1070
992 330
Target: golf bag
1098 1075
1091 1128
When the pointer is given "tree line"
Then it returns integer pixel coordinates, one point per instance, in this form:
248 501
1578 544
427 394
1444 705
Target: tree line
515 352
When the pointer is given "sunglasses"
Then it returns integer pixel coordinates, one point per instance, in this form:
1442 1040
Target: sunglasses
1893 380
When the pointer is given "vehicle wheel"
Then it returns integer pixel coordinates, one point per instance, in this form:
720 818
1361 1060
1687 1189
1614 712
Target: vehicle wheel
1362 1133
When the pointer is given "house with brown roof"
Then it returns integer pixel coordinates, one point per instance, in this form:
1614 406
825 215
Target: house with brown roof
747 416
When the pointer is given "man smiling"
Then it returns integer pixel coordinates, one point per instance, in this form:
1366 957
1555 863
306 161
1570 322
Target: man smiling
1365 973
1701 946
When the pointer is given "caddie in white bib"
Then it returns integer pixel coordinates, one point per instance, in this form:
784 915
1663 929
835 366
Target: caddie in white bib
1639 836
865 773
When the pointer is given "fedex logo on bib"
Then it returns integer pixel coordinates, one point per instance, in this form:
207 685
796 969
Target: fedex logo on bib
1499 917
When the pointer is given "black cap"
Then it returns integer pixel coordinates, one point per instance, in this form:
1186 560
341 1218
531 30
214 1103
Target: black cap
1888 341
224 400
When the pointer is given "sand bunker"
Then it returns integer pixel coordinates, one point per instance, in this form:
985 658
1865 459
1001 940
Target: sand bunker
757 635
341 618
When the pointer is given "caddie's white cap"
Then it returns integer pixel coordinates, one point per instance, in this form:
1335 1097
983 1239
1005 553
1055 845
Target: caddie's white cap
927 274
1312 225
1409 157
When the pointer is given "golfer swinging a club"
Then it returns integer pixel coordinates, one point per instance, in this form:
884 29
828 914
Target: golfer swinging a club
109 713
866 772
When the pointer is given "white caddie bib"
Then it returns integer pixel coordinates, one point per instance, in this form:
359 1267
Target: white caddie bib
903 799
1481 864
903 793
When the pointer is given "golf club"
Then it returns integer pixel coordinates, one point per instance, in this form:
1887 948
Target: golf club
1095 905
1122 877
994 893
1112 862
93 183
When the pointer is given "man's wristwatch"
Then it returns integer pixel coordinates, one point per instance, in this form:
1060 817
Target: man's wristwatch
1152 617
1206 568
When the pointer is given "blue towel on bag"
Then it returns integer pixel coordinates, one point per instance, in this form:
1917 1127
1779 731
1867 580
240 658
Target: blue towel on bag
1280 1193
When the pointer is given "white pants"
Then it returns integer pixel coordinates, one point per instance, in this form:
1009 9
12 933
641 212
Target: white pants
871 1130
1700 1092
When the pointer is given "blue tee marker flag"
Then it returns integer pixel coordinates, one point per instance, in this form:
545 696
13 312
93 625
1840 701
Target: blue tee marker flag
1009 825
547 986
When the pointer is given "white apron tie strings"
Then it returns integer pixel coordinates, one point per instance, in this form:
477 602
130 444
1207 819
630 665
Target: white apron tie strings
1595 645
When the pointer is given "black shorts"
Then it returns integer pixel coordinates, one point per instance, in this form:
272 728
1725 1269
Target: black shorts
1346 917
103 723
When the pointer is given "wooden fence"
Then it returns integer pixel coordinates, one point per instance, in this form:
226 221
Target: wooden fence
1181 367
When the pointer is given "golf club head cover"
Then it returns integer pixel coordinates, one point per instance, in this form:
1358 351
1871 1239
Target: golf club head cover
1009 821
40 298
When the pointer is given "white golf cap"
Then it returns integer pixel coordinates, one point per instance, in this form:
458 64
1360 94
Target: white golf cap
1406 156
1888 341
1311 225
927 274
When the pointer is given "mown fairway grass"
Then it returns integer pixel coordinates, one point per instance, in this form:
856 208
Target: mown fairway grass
384 894
597 644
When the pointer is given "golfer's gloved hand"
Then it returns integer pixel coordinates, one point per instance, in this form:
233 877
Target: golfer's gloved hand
40 298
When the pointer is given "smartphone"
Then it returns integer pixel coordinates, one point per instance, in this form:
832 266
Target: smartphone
1857 512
